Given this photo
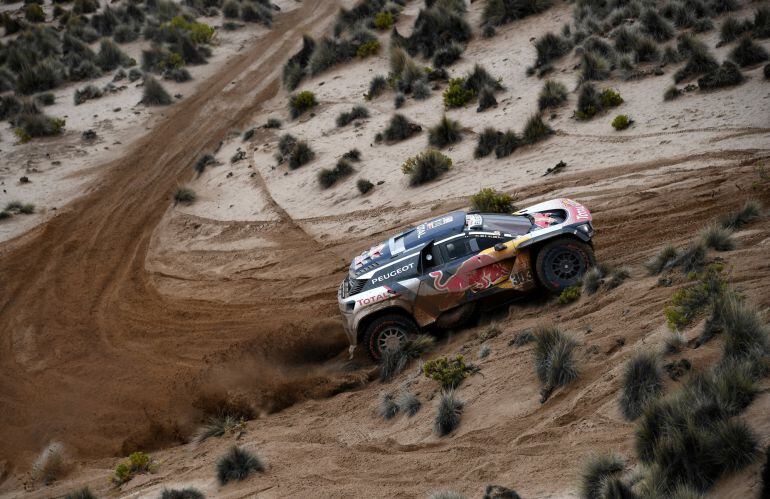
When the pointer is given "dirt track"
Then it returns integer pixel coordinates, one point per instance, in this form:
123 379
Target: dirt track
104 349
89 347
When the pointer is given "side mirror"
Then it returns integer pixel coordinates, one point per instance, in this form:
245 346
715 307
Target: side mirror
500 246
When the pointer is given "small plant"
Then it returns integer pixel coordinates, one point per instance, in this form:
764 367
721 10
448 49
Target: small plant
691 259
408 403
745 335
34 13
449 373
446 132
591 101
552 95
689 301
33 125
699 62
377 86
621 122
456 94
448 413
273 123
656 26
300 155
17 207
523 338
184 195
486 99
487 142
596 471
674 342
327 177
554 362
87 93
356 113
663 259
672 93
642 383
364 185
220 425
448 55
371 47
727 75
568 295
484 351
535 130
153 93
426 166
186 493
488 200
383 20
507 142
84 493
594 67
237 464
748 53
550 47
137 463
301 102
400 128
736 220
395 361
717 237
51 464
388 407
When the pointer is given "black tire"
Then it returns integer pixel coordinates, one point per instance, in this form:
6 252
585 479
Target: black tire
383 332
562 262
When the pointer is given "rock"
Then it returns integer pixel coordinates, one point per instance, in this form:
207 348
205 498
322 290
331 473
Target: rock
24 180
89 135
500 492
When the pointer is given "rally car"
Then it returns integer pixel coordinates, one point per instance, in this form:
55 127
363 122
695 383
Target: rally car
439 272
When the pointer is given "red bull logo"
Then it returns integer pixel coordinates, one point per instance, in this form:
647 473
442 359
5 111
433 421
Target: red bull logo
476 273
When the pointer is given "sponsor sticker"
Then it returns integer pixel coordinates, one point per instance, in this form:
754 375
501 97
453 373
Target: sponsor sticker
393 273
423 228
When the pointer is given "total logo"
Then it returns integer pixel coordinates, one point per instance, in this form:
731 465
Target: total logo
393 273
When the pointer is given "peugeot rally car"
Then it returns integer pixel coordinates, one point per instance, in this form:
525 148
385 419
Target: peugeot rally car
438 272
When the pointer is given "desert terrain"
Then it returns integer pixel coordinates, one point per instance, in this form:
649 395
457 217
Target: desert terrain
126 315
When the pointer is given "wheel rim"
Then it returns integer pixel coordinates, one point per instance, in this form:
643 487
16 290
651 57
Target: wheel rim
566 265
391 339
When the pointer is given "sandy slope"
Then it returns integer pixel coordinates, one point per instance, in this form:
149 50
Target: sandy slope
120 312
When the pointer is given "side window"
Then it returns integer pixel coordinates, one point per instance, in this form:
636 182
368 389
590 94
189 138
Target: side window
457 248
486 242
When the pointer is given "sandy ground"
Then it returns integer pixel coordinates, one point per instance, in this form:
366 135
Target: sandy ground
122 311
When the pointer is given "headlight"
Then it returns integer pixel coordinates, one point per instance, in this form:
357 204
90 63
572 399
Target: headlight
586 228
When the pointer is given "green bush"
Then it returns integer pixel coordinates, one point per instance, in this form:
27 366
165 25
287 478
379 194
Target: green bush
449 373
621 122
372 47
28 126
301 102
137 463
569 295
426 166
488 200
688 302
383 20
237 464
445 133
456 95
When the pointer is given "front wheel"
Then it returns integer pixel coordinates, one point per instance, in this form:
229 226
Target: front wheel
387 334
562 262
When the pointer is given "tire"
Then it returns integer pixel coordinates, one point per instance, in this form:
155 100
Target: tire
388 331
562 262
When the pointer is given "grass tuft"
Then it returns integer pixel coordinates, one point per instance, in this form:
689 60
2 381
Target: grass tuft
448 413
327 177
184 195
356 113
536 130
752 210
642 383
387 408
487 141
552 95
400 128
219 426
444 133
186 493
153 93
717 237
301 102
596 470
426 166
237 464
408 403
554 361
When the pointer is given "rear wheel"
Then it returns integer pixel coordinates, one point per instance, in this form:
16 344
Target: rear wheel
388 333
562 262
